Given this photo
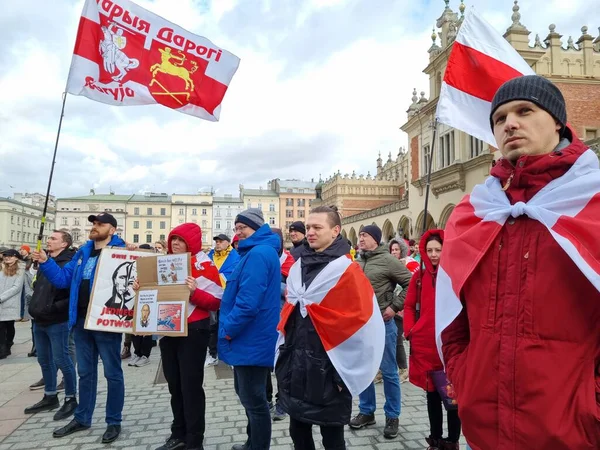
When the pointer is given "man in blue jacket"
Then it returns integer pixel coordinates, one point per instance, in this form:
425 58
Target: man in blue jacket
78 275
248 322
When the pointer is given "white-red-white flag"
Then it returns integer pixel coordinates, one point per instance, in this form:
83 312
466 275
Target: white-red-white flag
125 55
481 61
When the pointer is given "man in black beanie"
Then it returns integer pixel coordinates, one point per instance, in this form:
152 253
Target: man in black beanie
298 236
514 371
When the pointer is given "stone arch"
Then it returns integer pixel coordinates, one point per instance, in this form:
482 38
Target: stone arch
352 236
387 232
344 234
404 227
445 215
430 224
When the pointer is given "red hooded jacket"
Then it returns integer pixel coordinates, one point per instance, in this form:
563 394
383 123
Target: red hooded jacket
420 333
203 301
524 353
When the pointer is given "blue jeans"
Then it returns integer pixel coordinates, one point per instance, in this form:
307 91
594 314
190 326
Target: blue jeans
52 345
391 380
90 344
251 387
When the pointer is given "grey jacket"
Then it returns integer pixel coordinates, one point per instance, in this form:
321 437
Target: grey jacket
10 295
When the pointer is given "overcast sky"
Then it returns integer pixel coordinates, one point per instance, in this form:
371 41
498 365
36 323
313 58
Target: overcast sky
322 85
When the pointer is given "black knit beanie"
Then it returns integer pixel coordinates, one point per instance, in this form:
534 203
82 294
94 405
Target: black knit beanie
535 89
374 231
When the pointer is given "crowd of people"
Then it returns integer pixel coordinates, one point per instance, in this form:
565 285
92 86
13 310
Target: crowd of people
506 373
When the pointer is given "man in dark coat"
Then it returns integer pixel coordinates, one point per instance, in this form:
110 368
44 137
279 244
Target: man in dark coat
297 232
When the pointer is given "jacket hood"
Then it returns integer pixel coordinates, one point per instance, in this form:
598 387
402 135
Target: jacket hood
382 248
191 233
262 236
423 251
339 247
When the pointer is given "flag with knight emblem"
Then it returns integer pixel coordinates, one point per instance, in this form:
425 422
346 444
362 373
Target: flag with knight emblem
125 55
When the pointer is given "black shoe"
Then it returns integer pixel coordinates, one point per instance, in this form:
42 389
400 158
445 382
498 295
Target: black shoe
32 353
4 352
72 427
362 420
111 434
37 385
61 386
67 409
391 428
48 403
172 444
239 447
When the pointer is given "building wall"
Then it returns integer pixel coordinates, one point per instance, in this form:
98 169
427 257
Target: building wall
148 221
20 223
194 208
224 213
268 204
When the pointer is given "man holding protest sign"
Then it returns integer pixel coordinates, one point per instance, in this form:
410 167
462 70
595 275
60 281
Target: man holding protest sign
78 274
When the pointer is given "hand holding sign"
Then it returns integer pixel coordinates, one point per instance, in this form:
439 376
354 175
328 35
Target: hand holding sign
191 284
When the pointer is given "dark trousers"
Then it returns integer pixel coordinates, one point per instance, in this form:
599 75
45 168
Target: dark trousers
214 334
400 351
436 418
142 345
301 434
7 334
128 340
183 366
250 384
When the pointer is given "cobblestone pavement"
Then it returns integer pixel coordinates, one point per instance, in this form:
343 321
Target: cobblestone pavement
147 415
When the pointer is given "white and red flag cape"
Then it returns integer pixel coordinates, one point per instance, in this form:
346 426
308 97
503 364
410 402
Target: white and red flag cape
343 308
481 61
568 206
126 55
208 280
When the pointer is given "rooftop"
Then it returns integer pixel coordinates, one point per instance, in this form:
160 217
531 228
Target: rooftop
259 193
152 197
227 200
99 198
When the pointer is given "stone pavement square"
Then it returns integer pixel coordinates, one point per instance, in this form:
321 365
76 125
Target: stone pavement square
147 414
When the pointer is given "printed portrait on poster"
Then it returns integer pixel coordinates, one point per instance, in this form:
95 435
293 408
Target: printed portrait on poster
123 295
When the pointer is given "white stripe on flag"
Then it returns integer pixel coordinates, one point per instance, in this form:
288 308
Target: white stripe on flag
447 306
349 357
212 288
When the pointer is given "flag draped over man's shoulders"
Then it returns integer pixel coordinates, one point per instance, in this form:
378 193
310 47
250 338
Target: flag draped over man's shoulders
481 61
343 308
568 206
126 55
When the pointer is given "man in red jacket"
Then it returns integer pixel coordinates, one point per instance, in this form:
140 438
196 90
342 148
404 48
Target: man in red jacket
524 352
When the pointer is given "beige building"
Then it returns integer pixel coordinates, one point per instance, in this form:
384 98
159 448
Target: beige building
224 211
148 218
72 213
35 199
266 200
459 160
295 200
20 223
194 208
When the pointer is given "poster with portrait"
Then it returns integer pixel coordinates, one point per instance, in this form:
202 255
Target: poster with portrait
161 308
113 298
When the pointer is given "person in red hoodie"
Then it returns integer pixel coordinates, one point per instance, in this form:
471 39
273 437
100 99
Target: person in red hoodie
183 357
523 354
419 326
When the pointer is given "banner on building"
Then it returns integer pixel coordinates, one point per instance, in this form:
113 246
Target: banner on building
162 303
112 299
125 55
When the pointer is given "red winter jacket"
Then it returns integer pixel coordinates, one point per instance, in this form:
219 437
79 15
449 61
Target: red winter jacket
524 354
420 333
191 233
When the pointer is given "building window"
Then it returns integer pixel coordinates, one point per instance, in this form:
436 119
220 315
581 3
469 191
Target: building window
12 235
181 211
475 147
12 219
289 202
162 237
148 211
75 236
259 206
149 224
218 212
228 225
446 150
218 224
163 211
288 224
203 211
64 221
136 224
249 205
76 221
272 207
272 221
136 211
426 156
301 213
204 224
204 239
180 221
148 239
301 202
18 221
194 212
228 214
163 225
591 133
289 213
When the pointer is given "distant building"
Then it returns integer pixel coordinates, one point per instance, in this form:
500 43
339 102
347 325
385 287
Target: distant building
295 200
225 209
194 208
266 200
35 199
20 223
148 218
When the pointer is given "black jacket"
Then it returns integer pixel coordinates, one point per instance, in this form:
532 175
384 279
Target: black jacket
310 389
299 248
50 305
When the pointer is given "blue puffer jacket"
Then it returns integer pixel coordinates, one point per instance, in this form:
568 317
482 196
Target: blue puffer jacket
250 304
71 274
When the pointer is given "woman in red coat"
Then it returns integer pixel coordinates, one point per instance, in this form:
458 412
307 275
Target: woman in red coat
420 332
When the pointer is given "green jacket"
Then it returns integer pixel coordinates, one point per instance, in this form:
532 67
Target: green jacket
385 272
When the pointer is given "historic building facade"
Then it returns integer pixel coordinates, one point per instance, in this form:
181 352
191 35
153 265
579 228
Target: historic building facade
459 160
